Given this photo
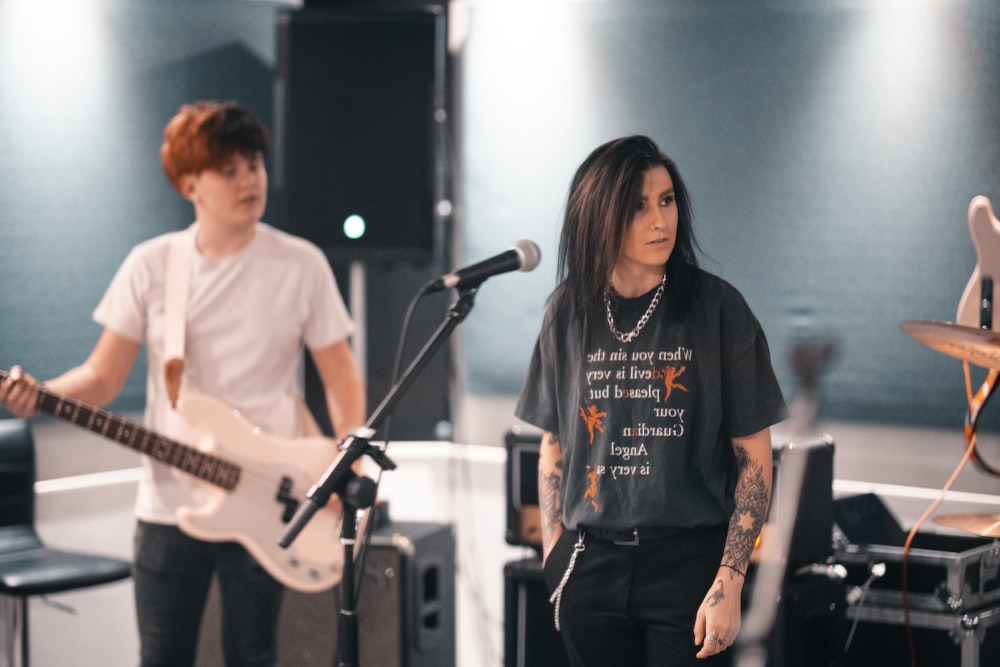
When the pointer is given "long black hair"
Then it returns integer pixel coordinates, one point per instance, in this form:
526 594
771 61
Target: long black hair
602 201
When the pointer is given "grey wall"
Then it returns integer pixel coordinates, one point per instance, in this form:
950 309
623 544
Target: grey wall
85 90
832 149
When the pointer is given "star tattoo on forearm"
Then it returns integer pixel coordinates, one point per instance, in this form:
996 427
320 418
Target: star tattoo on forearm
752 498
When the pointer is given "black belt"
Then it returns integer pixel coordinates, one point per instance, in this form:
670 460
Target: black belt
631 536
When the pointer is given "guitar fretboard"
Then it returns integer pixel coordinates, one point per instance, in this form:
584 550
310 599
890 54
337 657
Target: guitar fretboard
204 466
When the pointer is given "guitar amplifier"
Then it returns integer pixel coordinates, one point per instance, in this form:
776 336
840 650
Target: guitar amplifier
524 522
406 611
810 516
530 635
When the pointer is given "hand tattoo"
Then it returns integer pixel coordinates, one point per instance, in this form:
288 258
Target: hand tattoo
717 597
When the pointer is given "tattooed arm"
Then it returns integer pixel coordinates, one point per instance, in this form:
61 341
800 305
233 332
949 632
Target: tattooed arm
549 483
719 614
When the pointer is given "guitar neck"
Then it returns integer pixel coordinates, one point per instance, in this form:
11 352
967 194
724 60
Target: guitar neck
191 460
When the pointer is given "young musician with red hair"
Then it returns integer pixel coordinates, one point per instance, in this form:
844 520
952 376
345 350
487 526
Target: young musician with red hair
257 297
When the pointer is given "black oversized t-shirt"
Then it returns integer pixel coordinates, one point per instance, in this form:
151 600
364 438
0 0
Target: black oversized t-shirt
646 426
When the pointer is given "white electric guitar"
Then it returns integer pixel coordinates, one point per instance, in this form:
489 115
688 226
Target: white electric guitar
260 481
985 231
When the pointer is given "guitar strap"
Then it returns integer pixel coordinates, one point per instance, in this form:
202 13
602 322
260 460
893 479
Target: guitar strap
976 403
175 318
175 306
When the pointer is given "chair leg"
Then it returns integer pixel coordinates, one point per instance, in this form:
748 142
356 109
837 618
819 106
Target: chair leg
24 630
14 616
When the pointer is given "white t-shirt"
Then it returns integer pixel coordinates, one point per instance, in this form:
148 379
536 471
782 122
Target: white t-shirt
248 317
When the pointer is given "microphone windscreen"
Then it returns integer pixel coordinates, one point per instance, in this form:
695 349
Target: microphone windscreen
531 254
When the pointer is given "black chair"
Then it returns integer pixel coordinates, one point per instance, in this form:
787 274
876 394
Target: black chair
27 566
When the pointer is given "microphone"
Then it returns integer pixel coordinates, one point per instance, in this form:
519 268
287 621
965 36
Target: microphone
523 256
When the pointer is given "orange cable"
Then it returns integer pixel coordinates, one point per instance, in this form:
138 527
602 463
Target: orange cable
975 403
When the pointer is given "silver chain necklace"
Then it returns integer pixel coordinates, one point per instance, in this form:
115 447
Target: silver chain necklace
627 337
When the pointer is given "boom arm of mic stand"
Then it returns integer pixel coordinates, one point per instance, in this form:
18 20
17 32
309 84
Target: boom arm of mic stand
357 443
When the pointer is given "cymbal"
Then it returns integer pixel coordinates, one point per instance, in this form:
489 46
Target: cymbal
984 524
977 346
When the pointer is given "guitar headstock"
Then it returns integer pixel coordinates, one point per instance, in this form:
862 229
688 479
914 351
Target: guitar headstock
975 308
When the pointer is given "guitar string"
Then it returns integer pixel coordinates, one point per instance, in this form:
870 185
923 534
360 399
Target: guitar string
258 483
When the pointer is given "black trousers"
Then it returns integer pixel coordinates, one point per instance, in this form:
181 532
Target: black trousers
172 576
632 606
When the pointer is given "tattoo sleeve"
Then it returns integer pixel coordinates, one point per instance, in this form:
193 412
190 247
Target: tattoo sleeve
549 484
752 497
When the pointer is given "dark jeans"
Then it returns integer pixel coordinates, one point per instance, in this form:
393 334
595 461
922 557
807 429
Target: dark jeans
626 606
172 576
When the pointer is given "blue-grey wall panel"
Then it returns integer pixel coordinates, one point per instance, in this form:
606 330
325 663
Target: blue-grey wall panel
831 148
85 91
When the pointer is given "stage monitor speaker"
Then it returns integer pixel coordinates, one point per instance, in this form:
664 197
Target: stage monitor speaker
406 612
865 519
359 115
530 636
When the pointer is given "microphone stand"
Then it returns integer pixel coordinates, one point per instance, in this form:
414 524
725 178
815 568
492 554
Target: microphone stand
356 492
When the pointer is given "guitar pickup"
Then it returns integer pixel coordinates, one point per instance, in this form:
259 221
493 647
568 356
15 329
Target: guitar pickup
284 496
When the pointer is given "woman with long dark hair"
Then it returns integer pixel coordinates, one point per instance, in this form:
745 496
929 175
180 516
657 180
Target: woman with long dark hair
652 382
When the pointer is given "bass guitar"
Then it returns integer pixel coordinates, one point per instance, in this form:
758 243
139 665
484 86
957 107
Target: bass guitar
975 308
258 480
984 229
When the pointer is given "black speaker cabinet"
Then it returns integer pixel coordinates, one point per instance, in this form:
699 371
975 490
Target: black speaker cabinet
808 623
530 636
359 113
406 611
811 517
524 526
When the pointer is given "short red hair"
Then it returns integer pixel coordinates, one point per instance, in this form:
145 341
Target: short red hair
204 135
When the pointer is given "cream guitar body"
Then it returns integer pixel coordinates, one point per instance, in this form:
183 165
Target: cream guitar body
258 482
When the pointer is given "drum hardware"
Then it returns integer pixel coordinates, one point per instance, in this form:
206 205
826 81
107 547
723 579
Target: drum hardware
973 345
976 345
983 524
